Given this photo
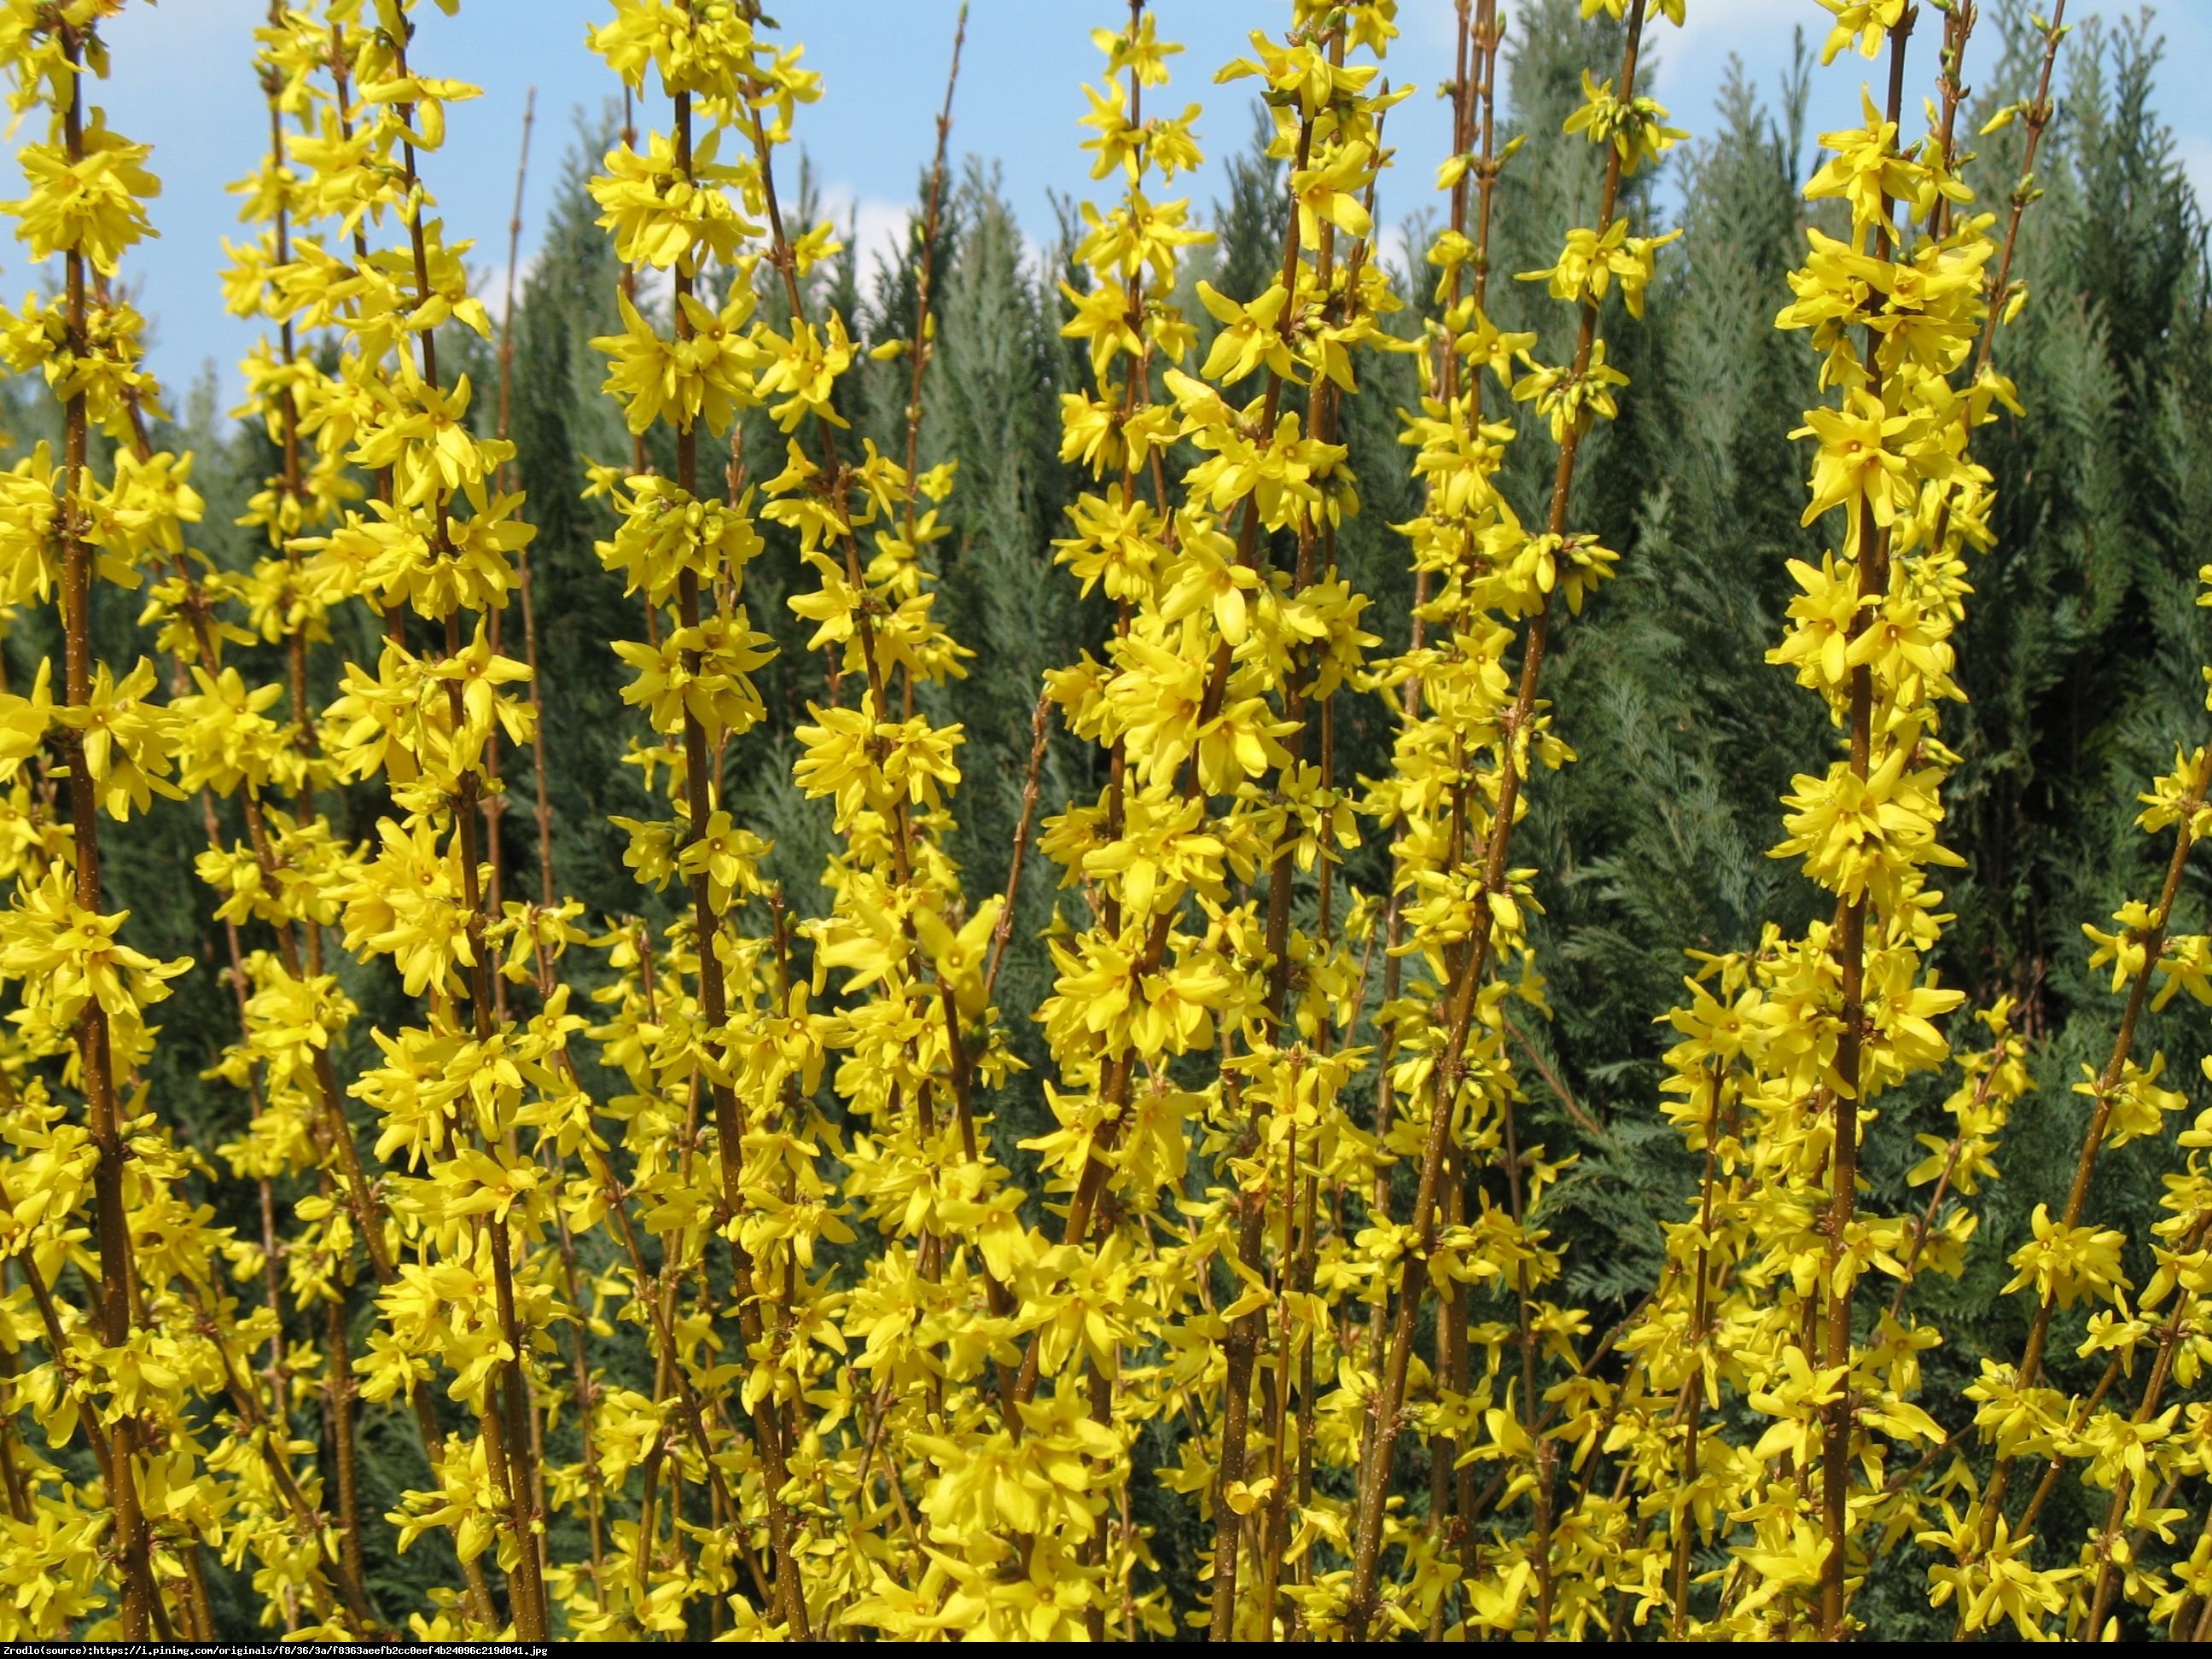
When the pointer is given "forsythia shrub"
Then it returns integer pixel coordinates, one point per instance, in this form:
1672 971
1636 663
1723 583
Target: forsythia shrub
691 1263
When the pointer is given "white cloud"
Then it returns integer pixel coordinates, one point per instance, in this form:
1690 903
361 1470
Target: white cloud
490 284
1396 249
878 231
876 223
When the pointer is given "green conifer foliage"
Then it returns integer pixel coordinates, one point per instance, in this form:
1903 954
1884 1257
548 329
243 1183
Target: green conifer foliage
2078 657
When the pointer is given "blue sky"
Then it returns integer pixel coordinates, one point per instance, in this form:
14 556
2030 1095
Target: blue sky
182 81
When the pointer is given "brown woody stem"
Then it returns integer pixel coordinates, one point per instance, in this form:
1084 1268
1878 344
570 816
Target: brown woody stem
1387 1404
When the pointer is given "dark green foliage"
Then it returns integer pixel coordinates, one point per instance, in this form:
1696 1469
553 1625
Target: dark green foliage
2082 652
2081 655
993 404
561 425
1657 838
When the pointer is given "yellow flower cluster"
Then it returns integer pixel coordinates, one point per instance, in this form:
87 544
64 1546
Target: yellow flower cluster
1785 1048
1233 631
386 497
1289 1238
148 1373
1474 728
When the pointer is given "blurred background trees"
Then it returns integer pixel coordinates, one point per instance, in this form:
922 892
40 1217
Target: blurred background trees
2080 655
